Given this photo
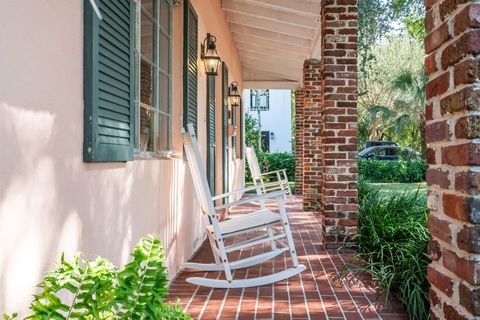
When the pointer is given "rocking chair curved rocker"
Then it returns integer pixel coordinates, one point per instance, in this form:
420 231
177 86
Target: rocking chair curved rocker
263 221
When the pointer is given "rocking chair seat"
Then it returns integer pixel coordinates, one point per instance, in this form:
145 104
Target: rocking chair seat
247 222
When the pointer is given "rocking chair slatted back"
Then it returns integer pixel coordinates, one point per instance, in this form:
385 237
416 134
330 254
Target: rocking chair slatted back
200 180
253 163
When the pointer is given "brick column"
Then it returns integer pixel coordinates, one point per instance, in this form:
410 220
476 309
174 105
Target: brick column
299 96
312 155
339 119
452 133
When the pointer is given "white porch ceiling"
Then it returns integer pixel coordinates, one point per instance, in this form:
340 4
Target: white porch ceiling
273 38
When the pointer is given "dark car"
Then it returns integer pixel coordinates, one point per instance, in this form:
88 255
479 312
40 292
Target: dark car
374 143
388 153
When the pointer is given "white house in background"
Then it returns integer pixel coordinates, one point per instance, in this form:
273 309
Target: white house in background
274 108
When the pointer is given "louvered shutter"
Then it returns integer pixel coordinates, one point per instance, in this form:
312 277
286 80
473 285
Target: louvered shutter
234 123
240 131
190 108
211 145
109 124
225 126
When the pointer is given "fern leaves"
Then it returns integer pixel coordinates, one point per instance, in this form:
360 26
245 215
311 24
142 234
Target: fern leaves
83 289
143 282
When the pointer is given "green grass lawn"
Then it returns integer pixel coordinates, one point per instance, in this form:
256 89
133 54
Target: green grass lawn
385 189
391 188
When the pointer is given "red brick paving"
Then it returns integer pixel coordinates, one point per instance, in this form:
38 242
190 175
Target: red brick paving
317 293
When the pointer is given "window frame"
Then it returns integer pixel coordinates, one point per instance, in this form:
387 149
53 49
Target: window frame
158 72
254 94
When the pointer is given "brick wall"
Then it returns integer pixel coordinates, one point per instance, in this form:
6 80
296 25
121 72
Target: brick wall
299 97
452 134
312 154
339 118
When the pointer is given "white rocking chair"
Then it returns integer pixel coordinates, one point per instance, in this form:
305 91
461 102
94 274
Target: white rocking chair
262 221
280 180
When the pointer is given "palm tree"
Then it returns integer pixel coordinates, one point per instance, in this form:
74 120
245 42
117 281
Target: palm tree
404 118
411 103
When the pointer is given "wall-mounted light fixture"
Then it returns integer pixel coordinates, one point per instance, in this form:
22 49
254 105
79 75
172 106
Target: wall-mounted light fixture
233 94
210 55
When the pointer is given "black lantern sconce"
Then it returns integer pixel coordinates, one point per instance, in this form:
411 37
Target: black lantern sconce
233 94
210 55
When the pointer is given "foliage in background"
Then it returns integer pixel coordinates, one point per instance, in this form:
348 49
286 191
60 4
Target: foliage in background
251 131
390 46
399 171
392 242
377 18
274 161
391 106
83 289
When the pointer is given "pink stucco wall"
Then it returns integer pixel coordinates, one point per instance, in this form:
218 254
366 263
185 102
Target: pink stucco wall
50 200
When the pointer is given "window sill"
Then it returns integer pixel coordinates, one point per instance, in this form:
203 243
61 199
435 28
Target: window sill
160 155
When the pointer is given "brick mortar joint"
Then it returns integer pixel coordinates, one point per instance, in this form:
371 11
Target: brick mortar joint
459 252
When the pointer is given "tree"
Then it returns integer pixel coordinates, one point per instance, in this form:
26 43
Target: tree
391 105
251 131
378 18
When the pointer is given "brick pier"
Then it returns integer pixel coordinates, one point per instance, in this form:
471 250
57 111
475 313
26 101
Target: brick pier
330 123
452 134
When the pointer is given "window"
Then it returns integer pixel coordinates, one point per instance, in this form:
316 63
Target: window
153 51
259 100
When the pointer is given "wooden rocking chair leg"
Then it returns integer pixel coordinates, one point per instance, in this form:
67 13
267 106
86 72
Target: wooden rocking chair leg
215 254
270 234
288 231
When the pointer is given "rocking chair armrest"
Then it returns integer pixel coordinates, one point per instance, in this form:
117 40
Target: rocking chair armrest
231 193
275 195
272 172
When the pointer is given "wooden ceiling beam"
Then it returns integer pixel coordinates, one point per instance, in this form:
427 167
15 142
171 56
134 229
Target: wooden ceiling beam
305 7
269 58
288 69
278 73
270 35
270 25
266 53
270 13
244 40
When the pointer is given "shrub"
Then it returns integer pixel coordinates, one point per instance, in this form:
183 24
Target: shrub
83 289
402 171
392 242
273 162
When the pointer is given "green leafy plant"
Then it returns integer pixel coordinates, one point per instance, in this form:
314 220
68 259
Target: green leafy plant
403 171
83 289
275 161
392 242
9 317
142 283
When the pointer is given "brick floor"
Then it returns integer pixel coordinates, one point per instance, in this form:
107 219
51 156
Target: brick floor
316 293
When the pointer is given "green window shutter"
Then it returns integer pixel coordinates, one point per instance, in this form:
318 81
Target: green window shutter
190 68
234 140
240 130
225 126
109 85
211 141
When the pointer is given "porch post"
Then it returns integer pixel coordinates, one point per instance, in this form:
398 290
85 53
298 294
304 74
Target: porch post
339 119
452 133
312 179
299 96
